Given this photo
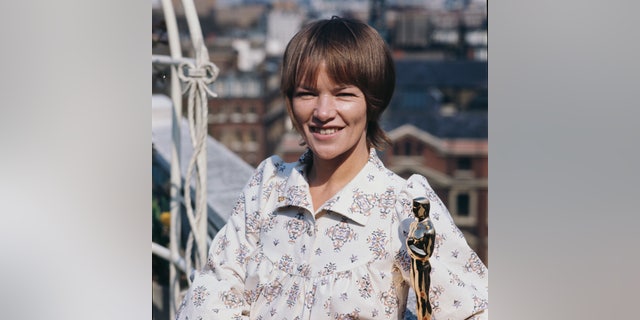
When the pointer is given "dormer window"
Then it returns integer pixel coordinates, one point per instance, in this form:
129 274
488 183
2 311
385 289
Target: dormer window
464 163
462 204
407 147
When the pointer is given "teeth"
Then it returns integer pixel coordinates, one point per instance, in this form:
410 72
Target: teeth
328 131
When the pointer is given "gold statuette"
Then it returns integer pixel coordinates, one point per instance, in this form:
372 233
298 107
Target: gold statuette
420 243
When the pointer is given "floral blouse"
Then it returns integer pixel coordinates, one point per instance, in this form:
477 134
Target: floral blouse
277 258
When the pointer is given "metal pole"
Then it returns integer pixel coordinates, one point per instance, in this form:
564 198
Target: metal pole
165 253
176 176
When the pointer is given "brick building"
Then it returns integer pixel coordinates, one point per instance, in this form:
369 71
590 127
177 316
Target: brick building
457 170
236 115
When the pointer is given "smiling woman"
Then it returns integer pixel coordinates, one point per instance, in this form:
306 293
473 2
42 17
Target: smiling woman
349 53
326 236
332 120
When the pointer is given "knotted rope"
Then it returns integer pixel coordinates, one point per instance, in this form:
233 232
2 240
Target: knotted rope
197 80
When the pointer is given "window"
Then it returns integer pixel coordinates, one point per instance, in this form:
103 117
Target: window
464 163
462 205
251 116
407 147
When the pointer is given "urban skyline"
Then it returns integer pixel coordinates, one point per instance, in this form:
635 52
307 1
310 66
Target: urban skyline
441 61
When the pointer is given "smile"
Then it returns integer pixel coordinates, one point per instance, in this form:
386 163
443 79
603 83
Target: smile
324 131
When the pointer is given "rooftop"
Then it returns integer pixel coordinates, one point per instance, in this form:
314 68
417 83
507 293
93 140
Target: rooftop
226 172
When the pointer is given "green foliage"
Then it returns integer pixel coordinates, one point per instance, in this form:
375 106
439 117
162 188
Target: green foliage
159 235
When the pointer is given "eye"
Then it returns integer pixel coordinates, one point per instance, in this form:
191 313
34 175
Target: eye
347 91
347 94
303 94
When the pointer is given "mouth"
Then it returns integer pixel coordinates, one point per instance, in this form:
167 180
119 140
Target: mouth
324 131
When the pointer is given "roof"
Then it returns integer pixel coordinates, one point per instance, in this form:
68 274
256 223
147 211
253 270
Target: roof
227 173
457 147
472 125
426 73
415 100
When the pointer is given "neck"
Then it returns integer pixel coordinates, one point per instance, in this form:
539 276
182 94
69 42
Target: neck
333 174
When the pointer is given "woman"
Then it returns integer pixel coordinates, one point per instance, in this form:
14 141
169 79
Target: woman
325 237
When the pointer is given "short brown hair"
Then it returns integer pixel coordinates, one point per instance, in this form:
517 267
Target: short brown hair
354 54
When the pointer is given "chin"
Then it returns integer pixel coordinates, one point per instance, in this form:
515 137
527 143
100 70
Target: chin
330 152
325 154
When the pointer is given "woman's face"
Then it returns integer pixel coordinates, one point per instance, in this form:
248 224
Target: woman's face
333 117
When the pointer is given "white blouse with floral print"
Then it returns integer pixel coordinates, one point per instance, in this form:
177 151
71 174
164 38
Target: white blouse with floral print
278 259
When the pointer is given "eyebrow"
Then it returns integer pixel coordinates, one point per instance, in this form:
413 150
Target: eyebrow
336 88
301 87
344 86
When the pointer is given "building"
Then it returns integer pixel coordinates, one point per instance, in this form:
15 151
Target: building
448 32
456 169
283 21
437 121
236 115
447 99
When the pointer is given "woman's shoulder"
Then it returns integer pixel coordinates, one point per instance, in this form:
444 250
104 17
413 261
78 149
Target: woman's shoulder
418 183
277 165
273 167
415 186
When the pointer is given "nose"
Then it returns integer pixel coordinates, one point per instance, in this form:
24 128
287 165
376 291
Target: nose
325 109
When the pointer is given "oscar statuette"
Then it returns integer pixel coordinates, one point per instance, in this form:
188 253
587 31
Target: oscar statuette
420 243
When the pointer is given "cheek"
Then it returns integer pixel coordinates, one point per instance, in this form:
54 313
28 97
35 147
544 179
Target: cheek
361 113
298 116
295 114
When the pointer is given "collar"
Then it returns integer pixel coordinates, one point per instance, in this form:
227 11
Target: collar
355 201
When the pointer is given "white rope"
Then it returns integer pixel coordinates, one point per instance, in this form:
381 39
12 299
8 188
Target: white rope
197 80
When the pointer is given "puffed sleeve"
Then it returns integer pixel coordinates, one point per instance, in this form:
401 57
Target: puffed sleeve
217 291
459 279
